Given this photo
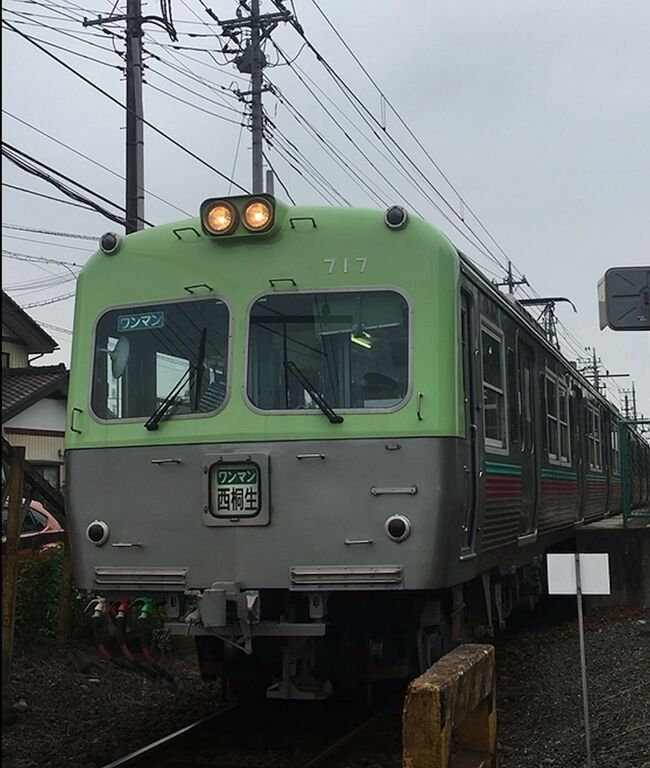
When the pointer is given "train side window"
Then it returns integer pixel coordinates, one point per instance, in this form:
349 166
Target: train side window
616 453
552 440
594 437
557 419
494 393
563 422
513 414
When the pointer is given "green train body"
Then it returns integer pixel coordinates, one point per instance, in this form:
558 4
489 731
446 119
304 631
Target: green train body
369 448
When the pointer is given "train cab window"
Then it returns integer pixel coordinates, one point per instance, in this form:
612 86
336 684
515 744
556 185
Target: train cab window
351 348
145 355
494 395
594 438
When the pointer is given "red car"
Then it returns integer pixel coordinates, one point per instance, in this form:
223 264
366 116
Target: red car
37 520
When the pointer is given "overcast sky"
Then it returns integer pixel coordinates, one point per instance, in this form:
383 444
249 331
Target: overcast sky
537 112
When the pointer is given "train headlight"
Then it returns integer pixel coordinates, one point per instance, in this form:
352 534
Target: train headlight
257 215
97 533
397 527
219 217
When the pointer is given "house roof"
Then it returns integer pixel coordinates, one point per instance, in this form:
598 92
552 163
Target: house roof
22 387
24 328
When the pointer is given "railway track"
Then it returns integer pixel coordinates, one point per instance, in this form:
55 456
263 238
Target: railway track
319 736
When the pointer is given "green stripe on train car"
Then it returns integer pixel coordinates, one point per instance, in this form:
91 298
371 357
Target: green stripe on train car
495 468
558 474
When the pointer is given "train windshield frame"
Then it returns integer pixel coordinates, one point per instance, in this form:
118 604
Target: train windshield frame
143 352
352 346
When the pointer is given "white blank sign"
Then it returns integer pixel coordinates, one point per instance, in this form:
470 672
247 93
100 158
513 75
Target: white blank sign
594 574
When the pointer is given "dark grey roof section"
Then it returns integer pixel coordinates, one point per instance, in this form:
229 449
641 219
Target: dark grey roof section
25 329
22 387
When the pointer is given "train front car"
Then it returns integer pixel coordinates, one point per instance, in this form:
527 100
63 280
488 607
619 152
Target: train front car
266 432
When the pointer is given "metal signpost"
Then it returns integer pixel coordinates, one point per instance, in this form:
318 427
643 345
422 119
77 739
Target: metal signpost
579 574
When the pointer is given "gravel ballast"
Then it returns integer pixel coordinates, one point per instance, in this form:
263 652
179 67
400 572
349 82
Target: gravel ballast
74 710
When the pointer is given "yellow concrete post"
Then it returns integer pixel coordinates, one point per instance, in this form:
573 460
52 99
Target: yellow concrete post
457 694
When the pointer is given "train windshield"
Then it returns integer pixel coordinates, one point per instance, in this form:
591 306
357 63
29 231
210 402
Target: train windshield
147 355
351 347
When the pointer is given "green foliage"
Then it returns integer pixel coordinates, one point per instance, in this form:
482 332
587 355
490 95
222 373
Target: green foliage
39 579
37 601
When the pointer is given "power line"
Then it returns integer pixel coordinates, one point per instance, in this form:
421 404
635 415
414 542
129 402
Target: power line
49 244
280 182
29 164
90 159
58 328
47 197
49 301
194 106
35 230
122 106
38 259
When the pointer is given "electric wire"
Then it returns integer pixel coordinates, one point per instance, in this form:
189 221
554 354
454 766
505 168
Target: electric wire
47 197
91 160
122 106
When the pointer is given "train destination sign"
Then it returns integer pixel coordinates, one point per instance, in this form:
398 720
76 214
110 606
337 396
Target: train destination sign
236 490
142 321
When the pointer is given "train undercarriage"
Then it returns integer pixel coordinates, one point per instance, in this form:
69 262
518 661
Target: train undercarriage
310 645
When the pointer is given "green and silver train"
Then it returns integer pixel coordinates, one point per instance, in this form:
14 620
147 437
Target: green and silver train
323 439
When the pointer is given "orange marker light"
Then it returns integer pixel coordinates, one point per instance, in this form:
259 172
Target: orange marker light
258 215
220 218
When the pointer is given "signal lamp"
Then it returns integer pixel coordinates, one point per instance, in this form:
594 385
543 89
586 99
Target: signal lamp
109 243
220 218
257 215
397 527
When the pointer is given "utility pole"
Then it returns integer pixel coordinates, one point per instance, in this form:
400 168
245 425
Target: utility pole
256 99
594 367
592 370
134 169
250 59
510 280
134 114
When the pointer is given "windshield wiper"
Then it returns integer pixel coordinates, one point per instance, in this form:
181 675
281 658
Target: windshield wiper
320 401
152 423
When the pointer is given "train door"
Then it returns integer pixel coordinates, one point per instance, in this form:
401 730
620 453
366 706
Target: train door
471 429
529 470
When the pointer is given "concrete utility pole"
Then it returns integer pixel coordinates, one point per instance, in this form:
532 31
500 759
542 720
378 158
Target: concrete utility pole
134 192
134 114
256 99
250 59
